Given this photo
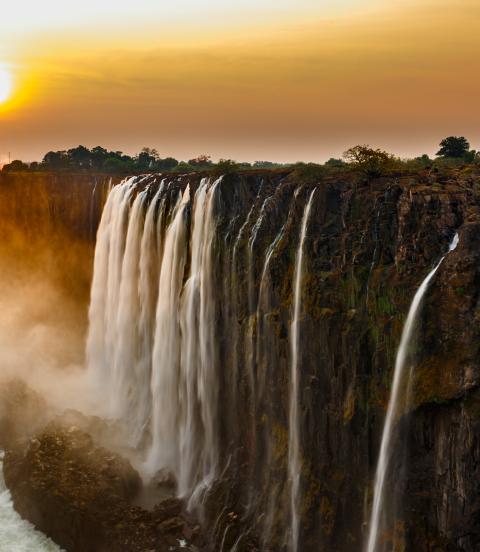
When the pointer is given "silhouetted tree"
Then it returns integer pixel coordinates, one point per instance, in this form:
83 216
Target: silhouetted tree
146 159
55 160
16 166
98 157
80 157
453 146
202 161
371 162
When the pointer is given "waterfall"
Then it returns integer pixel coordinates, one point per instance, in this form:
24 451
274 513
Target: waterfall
158 361
394 406
99 359
166 349
150 347
265 347
294 459
126 381
198 352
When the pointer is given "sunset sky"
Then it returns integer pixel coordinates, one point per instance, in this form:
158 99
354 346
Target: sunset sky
282 80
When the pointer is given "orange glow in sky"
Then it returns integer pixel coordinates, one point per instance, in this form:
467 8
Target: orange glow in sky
6 84
251 80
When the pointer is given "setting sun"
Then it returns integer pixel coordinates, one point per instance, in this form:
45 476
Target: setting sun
6 84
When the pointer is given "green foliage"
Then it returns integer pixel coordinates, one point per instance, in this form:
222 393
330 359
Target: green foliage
335 163
115 166
471 156
167 164
417 163
454 146
183 167
227 166
370 162
201 162
310 173
423 161
146 160
268 165
384 306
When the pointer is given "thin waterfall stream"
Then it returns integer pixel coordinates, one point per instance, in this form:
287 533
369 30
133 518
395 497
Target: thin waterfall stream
294 458
395 403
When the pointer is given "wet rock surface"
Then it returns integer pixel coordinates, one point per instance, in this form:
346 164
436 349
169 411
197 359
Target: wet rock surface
81 496
369 245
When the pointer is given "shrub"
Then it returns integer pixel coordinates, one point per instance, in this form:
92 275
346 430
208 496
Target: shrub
227 166
370 162
309 172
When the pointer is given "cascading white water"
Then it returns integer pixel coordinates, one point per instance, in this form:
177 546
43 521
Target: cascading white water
99 359
153 351
151 346
394 405
166 349
124 386
200 448
150 258
294 459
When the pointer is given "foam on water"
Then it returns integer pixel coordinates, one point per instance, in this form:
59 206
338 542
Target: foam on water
17 534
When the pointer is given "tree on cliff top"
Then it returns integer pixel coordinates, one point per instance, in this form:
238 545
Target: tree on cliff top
226 166
454 146
16 166
371 162
202 161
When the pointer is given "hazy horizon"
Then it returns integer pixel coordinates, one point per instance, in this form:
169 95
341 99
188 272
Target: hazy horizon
281 81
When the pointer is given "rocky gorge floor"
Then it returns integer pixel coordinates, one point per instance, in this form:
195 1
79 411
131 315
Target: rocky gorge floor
78 493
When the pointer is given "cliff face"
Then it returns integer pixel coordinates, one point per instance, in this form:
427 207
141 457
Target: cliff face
48 224
367 248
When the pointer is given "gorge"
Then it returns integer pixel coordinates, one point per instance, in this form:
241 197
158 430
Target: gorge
243 343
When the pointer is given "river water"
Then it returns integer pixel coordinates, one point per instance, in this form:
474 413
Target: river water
16 534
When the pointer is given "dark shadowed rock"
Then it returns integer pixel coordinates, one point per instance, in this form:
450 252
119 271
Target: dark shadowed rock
81 496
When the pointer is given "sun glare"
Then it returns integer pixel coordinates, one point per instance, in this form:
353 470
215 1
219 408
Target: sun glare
6 84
